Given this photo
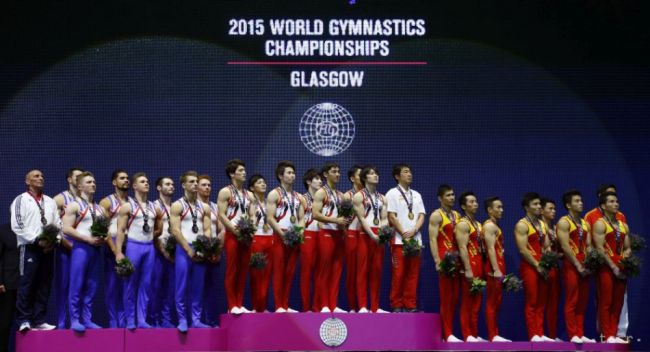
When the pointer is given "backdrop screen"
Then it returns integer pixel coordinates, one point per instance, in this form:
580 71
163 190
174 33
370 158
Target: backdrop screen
500 99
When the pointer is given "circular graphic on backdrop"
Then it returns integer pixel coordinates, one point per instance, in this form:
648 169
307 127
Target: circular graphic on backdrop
333 332
326 129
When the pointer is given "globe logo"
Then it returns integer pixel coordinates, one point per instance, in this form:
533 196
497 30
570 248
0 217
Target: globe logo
333 332
326 129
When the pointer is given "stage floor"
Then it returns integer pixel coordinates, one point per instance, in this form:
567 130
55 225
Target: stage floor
298 331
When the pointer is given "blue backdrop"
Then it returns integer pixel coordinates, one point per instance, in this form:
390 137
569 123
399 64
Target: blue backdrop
476 116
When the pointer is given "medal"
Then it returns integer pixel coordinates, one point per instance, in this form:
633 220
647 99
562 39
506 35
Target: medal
241 200
375 221
374 202
290 204
266 227
292 219
146 228
41 208
195 228
408 204
411 216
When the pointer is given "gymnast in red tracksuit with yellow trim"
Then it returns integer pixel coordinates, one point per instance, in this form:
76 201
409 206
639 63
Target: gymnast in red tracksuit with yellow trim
532 239
472 250
610 237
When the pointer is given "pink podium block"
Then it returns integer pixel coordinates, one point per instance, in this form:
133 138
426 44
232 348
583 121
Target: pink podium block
96 340
416 331
168 340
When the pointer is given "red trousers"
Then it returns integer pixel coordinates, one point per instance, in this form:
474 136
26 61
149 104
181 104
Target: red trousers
351 243
284 266
536 293
470 305
611 292
404 284
494 297
576 297
307 267
553 302
237 260
331 253
370 259
449 297
260 278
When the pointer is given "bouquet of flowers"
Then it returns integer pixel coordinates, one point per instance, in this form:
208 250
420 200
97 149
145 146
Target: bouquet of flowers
258 261
637 242
511 283
201 246
215 249
50 234
450 264
246 230
411 247
345 209
549 261
478 285
100 226
385 234
293 237
631 266
593 260
124 268
170 246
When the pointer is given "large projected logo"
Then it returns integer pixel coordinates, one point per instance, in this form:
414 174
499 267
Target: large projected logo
326 129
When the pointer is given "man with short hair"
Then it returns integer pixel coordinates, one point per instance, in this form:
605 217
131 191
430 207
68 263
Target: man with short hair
212 263
308 249
31 211
351 241
406 214
553 281
532 240
113 285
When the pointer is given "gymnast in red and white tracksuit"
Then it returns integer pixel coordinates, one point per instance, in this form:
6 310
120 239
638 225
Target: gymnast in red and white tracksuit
233 202
532 239
370 208
262 243
495 266
331 241
610 236
287 209
471 248
309 247
575 240
352 242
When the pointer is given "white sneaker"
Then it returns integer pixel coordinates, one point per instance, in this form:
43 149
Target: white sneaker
576 339
620 340
611 339
244 310
381 311
325 310
280 310
546 339
500 339
587 340
290 310
536 338
351 311
44 326
452 338
472 339
26 326
480 339
235 310
557 339
339 310
364 310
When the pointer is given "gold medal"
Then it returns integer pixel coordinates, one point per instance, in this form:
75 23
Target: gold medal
411 216
292 219
266 227
376 221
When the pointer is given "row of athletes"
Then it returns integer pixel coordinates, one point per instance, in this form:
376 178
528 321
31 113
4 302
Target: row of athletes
329 242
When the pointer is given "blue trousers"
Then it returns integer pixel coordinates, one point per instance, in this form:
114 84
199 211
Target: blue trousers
113 291
210 297
84 278
189 275
36 269
139 283
161 304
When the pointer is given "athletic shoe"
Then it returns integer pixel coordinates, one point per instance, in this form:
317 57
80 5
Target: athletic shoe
280 310
24 327
364 310
91 325
620 340
351 311
77 326
244 310
167 325
546 339
480 339
557 339
412 310
397 310
339 310
576 339
452 338
200 325
325 310
144 325
611 339
536 338
472 339
44 326
235 310
182 327
130 326
500 339
379 310
291 310
587 340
